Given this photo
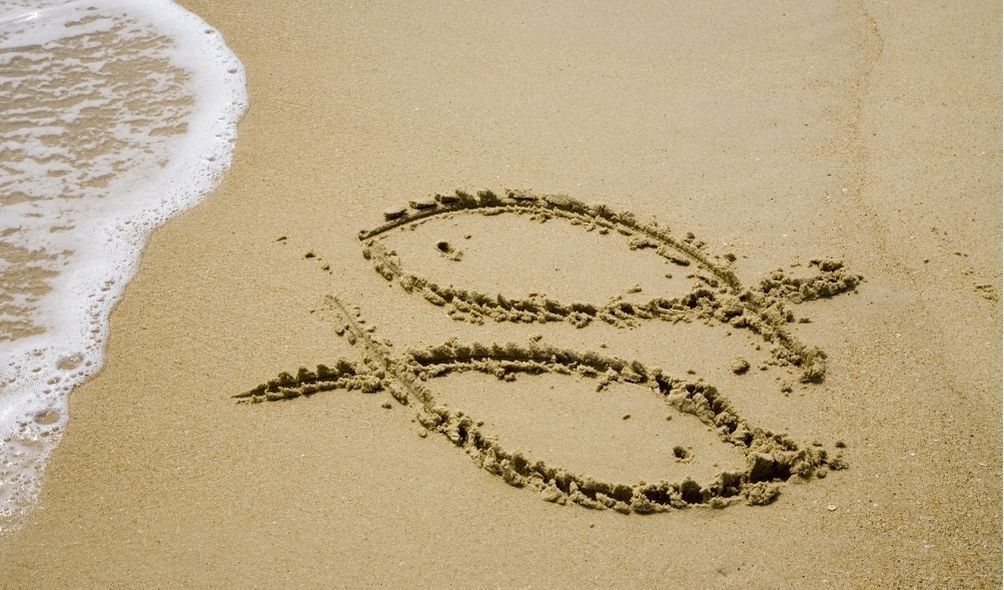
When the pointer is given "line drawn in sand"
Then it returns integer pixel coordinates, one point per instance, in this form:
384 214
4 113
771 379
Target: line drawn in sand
717 296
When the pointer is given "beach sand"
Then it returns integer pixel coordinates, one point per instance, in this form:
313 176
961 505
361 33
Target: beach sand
865 132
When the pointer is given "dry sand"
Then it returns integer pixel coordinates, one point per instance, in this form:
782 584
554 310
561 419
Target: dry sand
869 133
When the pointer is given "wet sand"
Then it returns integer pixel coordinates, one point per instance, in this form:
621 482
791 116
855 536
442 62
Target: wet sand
865 133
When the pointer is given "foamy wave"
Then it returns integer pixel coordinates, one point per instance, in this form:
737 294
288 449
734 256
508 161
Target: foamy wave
114 116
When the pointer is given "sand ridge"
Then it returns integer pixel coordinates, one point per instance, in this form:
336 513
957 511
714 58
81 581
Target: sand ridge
717 294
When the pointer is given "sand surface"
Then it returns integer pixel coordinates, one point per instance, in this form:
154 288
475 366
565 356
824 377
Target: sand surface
865 132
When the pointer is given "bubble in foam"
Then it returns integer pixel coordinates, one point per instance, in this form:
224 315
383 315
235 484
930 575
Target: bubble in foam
117 114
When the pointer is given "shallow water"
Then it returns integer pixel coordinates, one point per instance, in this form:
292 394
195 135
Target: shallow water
114 116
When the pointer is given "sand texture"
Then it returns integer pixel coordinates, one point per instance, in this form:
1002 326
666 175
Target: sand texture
554 296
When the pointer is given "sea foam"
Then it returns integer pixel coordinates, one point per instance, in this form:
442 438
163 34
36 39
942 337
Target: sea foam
114 116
